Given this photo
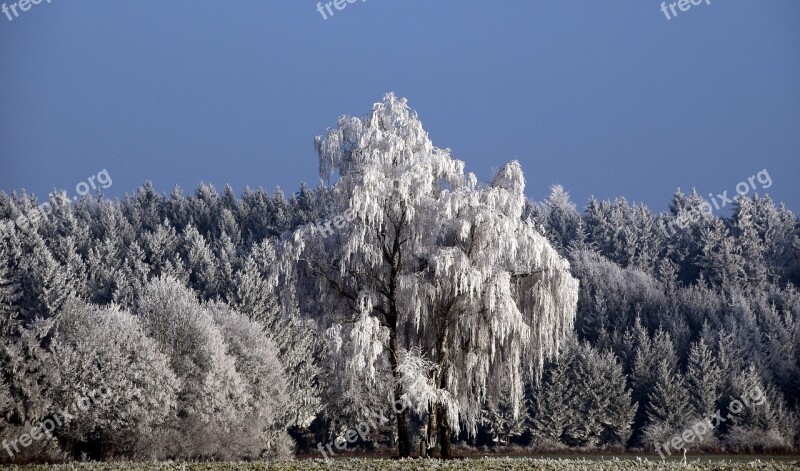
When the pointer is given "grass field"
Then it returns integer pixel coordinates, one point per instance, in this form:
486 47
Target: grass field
480 464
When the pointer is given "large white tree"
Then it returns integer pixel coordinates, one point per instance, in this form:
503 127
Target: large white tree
494 301
424 278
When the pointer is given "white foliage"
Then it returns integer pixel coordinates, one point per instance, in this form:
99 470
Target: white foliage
215 400
446 265
420 390
106 350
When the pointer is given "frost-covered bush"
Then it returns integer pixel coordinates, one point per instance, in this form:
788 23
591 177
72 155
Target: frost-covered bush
104 355
27 373
220 398
257 363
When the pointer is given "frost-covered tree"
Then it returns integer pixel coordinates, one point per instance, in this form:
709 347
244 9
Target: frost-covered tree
759 418
9 285
45 283
213 398
438 273
668 401
200 263
162 255
494 293
268 397
500 418
748 234
562 223
612 298
689 216
584 401
703 380
105 356
144 209
550 411
259 295
654 360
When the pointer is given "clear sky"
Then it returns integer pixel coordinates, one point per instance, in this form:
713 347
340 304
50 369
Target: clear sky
606 98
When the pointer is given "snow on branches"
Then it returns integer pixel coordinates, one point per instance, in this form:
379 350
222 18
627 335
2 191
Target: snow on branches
435 270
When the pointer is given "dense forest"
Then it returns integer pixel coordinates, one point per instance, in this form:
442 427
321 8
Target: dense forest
227 327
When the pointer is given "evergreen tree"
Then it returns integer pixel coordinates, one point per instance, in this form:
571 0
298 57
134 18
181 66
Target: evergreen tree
9 285
200 263
561 222
688 218
703 380
45 283
746 222
720 259
256 294
550 411
584 400
668 400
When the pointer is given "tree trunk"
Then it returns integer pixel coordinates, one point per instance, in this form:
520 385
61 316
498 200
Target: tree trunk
430 433
403 441
394 259
444 435
443 352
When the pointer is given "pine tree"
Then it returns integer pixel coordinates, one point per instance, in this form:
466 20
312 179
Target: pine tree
45 283
201 264
9 285
703 380
144 210
562 223
750 243
689 217
204 208
599 398
668 401
720 259
550 410
502 421
650 353
161 249
758 417
258 295
584 400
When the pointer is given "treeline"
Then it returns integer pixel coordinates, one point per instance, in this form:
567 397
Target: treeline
179 306
678 316
164 302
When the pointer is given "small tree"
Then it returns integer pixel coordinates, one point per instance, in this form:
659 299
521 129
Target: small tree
668 409
703 380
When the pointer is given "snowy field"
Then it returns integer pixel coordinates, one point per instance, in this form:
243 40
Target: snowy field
605 464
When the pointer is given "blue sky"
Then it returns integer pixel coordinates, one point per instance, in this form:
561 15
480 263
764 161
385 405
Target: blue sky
605 98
